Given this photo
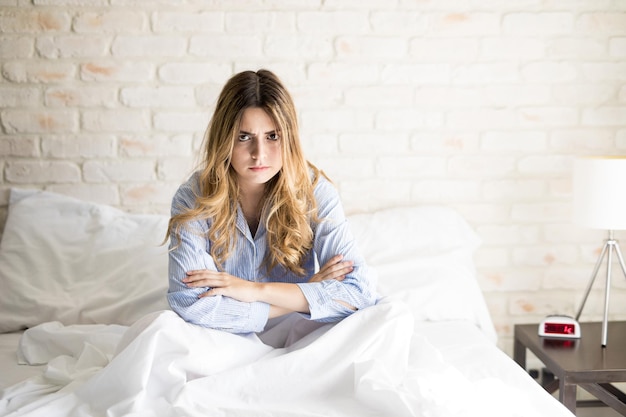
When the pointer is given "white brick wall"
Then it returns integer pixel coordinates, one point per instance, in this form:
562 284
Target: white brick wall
479 105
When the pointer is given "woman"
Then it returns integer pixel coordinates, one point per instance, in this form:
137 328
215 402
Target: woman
245 234
248 228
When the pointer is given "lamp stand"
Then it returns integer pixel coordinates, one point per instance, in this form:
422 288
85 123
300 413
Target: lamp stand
610 246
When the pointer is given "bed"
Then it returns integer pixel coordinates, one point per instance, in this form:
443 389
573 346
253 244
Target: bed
85 329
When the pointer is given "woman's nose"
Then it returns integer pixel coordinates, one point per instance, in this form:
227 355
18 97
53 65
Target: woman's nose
258 149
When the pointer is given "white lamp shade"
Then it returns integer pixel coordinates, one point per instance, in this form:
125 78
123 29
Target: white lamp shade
599 189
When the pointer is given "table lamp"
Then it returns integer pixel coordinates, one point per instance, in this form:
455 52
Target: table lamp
599 202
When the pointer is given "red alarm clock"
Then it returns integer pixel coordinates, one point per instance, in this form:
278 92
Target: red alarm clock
558 326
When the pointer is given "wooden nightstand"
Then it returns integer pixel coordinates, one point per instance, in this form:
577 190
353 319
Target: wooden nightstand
580 362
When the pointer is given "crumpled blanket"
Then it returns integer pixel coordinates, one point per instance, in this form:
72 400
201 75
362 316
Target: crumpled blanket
370 364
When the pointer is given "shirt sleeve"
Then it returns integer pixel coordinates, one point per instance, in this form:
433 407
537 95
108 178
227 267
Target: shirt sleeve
332 237
192 252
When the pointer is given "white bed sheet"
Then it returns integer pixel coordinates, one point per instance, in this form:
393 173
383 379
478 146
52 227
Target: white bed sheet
466 349
376 363
10 371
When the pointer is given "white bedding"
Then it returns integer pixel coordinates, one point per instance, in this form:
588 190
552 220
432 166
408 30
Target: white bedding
427 349
375 363
11 372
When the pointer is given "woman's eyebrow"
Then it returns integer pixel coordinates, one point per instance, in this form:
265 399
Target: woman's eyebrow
253 134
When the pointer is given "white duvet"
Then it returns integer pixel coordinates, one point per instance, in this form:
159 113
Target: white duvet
370 364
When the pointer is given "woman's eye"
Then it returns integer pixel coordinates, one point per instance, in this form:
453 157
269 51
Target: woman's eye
273 136
244 138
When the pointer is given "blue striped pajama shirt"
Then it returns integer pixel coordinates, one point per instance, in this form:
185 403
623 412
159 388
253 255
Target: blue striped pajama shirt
332 236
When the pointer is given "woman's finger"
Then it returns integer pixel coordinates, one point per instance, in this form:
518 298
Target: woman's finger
334 268
211 293
331 262
203 276
341 268
340 275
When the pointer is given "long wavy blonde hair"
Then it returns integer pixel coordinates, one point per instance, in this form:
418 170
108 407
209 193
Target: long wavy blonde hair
290 206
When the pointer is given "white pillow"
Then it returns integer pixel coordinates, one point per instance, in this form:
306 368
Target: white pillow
62 259
424 256
393 234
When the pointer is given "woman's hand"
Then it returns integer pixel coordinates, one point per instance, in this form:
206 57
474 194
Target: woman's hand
335 268
222 283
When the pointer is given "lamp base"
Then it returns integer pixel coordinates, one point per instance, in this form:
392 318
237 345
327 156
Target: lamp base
610 246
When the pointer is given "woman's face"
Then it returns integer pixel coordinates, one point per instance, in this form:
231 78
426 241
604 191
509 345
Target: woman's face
257 155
